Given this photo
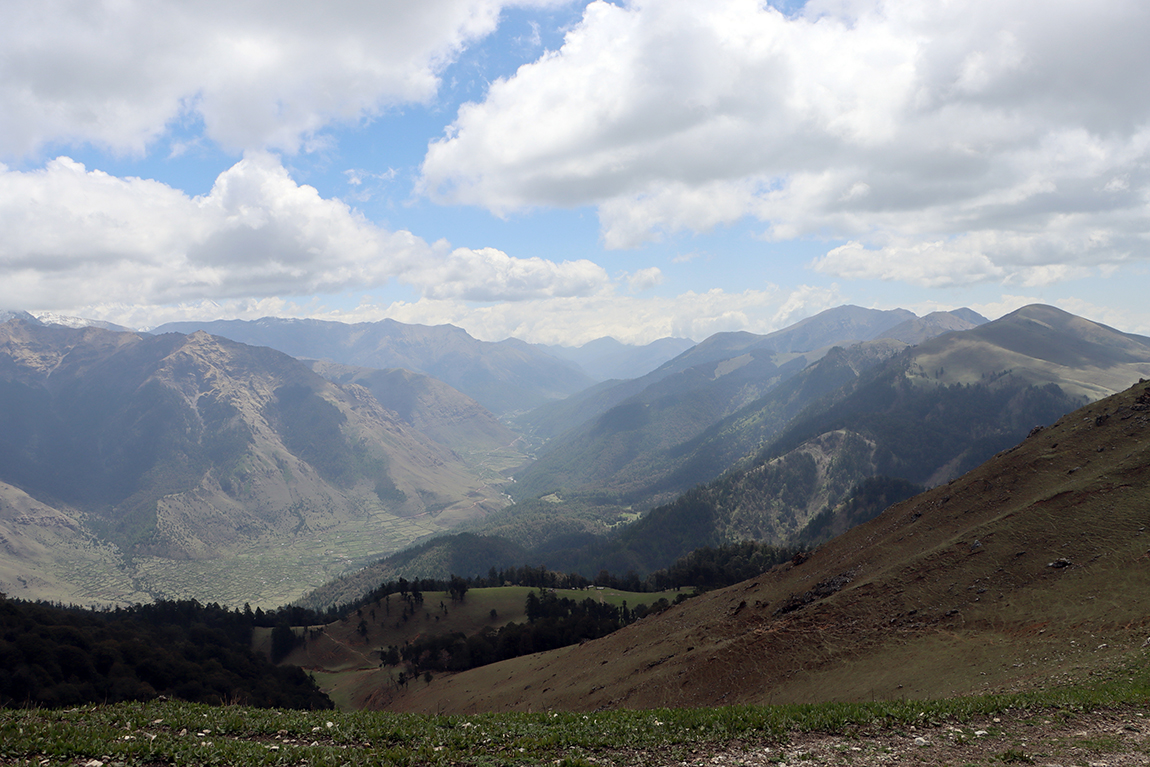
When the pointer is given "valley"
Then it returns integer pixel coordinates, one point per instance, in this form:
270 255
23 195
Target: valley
193 466
893 505
608 383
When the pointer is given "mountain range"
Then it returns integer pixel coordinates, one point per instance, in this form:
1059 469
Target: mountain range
1032 569
504 377
179 465
862 421
190 465
637 438
606 359
139 466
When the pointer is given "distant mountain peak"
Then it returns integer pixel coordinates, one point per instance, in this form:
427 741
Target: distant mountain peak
68 321
970 316
17 314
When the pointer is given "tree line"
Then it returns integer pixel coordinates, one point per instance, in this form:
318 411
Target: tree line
552 622
52 655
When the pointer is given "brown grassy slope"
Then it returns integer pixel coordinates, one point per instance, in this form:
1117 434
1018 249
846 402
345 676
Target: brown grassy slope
950 592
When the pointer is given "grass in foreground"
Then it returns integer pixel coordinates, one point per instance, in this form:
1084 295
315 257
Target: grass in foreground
157 733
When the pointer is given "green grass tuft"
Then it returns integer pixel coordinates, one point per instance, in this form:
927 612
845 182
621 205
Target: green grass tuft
174 732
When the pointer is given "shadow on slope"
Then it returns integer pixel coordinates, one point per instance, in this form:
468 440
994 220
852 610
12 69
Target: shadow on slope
1032 568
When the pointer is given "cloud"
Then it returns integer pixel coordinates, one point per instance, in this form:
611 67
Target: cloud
258 74
949 142
630 319
71 234
567 320
491 275
644 278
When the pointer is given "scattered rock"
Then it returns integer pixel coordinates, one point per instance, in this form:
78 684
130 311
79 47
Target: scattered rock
821 591
1058 563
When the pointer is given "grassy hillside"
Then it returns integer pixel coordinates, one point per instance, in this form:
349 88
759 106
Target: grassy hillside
1029 571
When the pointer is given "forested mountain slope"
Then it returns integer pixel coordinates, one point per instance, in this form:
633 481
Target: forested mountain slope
648 439
923 416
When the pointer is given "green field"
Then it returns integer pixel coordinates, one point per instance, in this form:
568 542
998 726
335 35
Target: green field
275 573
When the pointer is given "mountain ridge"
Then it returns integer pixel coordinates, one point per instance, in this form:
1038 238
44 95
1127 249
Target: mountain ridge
199 449
641 433
998 580
505 376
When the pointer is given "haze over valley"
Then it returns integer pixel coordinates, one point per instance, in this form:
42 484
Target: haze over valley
165 465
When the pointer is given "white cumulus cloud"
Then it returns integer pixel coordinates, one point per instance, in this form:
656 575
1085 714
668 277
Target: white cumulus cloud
949 142
258 74
71 235
488 274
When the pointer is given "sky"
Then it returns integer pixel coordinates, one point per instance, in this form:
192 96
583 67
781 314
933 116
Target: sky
563 171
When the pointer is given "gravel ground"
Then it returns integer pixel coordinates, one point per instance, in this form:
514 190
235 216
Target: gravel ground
1098 739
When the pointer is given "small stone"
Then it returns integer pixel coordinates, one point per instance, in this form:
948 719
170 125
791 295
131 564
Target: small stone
920 741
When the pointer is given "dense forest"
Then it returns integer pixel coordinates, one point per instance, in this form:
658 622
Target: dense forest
552 622
866 501
64 656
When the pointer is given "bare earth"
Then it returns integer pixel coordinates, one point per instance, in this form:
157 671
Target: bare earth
1099 739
